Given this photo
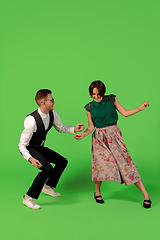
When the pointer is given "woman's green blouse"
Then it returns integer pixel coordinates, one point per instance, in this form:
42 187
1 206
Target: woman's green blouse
103 113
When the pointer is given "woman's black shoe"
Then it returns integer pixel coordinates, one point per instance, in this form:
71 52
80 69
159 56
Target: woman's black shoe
98 200
147 205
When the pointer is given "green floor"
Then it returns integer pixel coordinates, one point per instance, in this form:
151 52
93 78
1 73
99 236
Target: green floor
76 215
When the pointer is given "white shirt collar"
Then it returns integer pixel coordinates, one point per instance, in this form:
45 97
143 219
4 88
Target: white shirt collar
42 114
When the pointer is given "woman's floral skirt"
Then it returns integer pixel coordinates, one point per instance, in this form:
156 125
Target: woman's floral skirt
110 158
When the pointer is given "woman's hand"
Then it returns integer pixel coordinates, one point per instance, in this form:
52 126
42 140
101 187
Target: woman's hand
144 105
78 136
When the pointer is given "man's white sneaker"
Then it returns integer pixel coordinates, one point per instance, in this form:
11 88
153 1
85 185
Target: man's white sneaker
29 202
50 191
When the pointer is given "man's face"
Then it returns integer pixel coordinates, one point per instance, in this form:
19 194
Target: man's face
49 102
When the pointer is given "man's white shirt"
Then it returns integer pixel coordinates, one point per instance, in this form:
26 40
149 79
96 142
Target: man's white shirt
30 127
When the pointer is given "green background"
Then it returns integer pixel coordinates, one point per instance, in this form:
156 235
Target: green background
64 46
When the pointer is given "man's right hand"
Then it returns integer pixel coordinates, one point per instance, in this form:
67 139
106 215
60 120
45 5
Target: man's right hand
35 162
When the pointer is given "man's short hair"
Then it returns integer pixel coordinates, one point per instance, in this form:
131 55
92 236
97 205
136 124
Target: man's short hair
42 93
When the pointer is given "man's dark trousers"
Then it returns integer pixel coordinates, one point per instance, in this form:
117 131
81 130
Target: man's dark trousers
48 174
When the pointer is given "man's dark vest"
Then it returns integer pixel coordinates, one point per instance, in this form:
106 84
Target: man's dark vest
39 136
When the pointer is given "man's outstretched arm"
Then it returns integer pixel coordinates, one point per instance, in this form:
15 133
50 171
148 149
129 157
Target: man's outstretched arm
58 125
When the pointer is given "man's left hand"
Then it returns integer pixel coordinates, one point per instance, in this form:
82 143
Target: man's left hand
80 127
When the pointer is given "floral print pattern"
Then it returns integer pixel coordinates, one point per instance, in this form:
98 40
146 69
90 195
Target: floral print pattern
111 160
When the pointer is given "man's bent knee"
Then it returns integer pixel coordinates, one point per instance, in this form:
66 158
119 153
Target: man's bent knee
64 162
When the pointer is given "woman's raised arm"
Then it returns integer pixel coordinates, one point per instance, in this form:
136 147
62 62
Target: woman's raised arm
127 113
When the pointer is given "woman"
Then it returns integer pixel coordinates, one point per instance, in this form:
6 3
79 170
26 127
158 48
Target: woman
110 158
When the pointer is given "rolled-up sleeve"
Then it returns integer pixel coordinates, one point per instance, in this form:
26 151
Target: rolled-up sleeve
58 125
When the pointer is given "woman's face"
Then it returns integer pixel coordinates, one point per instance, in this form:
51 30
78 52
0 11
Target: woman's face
95 95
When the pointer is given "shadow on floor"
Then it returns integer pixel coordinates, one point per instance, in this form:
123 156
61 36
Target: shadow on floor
131 193
81 181
64 200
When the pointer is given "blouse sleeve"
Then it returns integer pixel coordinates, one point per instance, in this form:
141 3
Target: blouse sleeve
88 106
111 97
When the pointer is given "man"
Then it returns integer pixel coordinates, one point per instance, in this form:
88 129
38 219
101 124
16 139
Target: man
31 146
